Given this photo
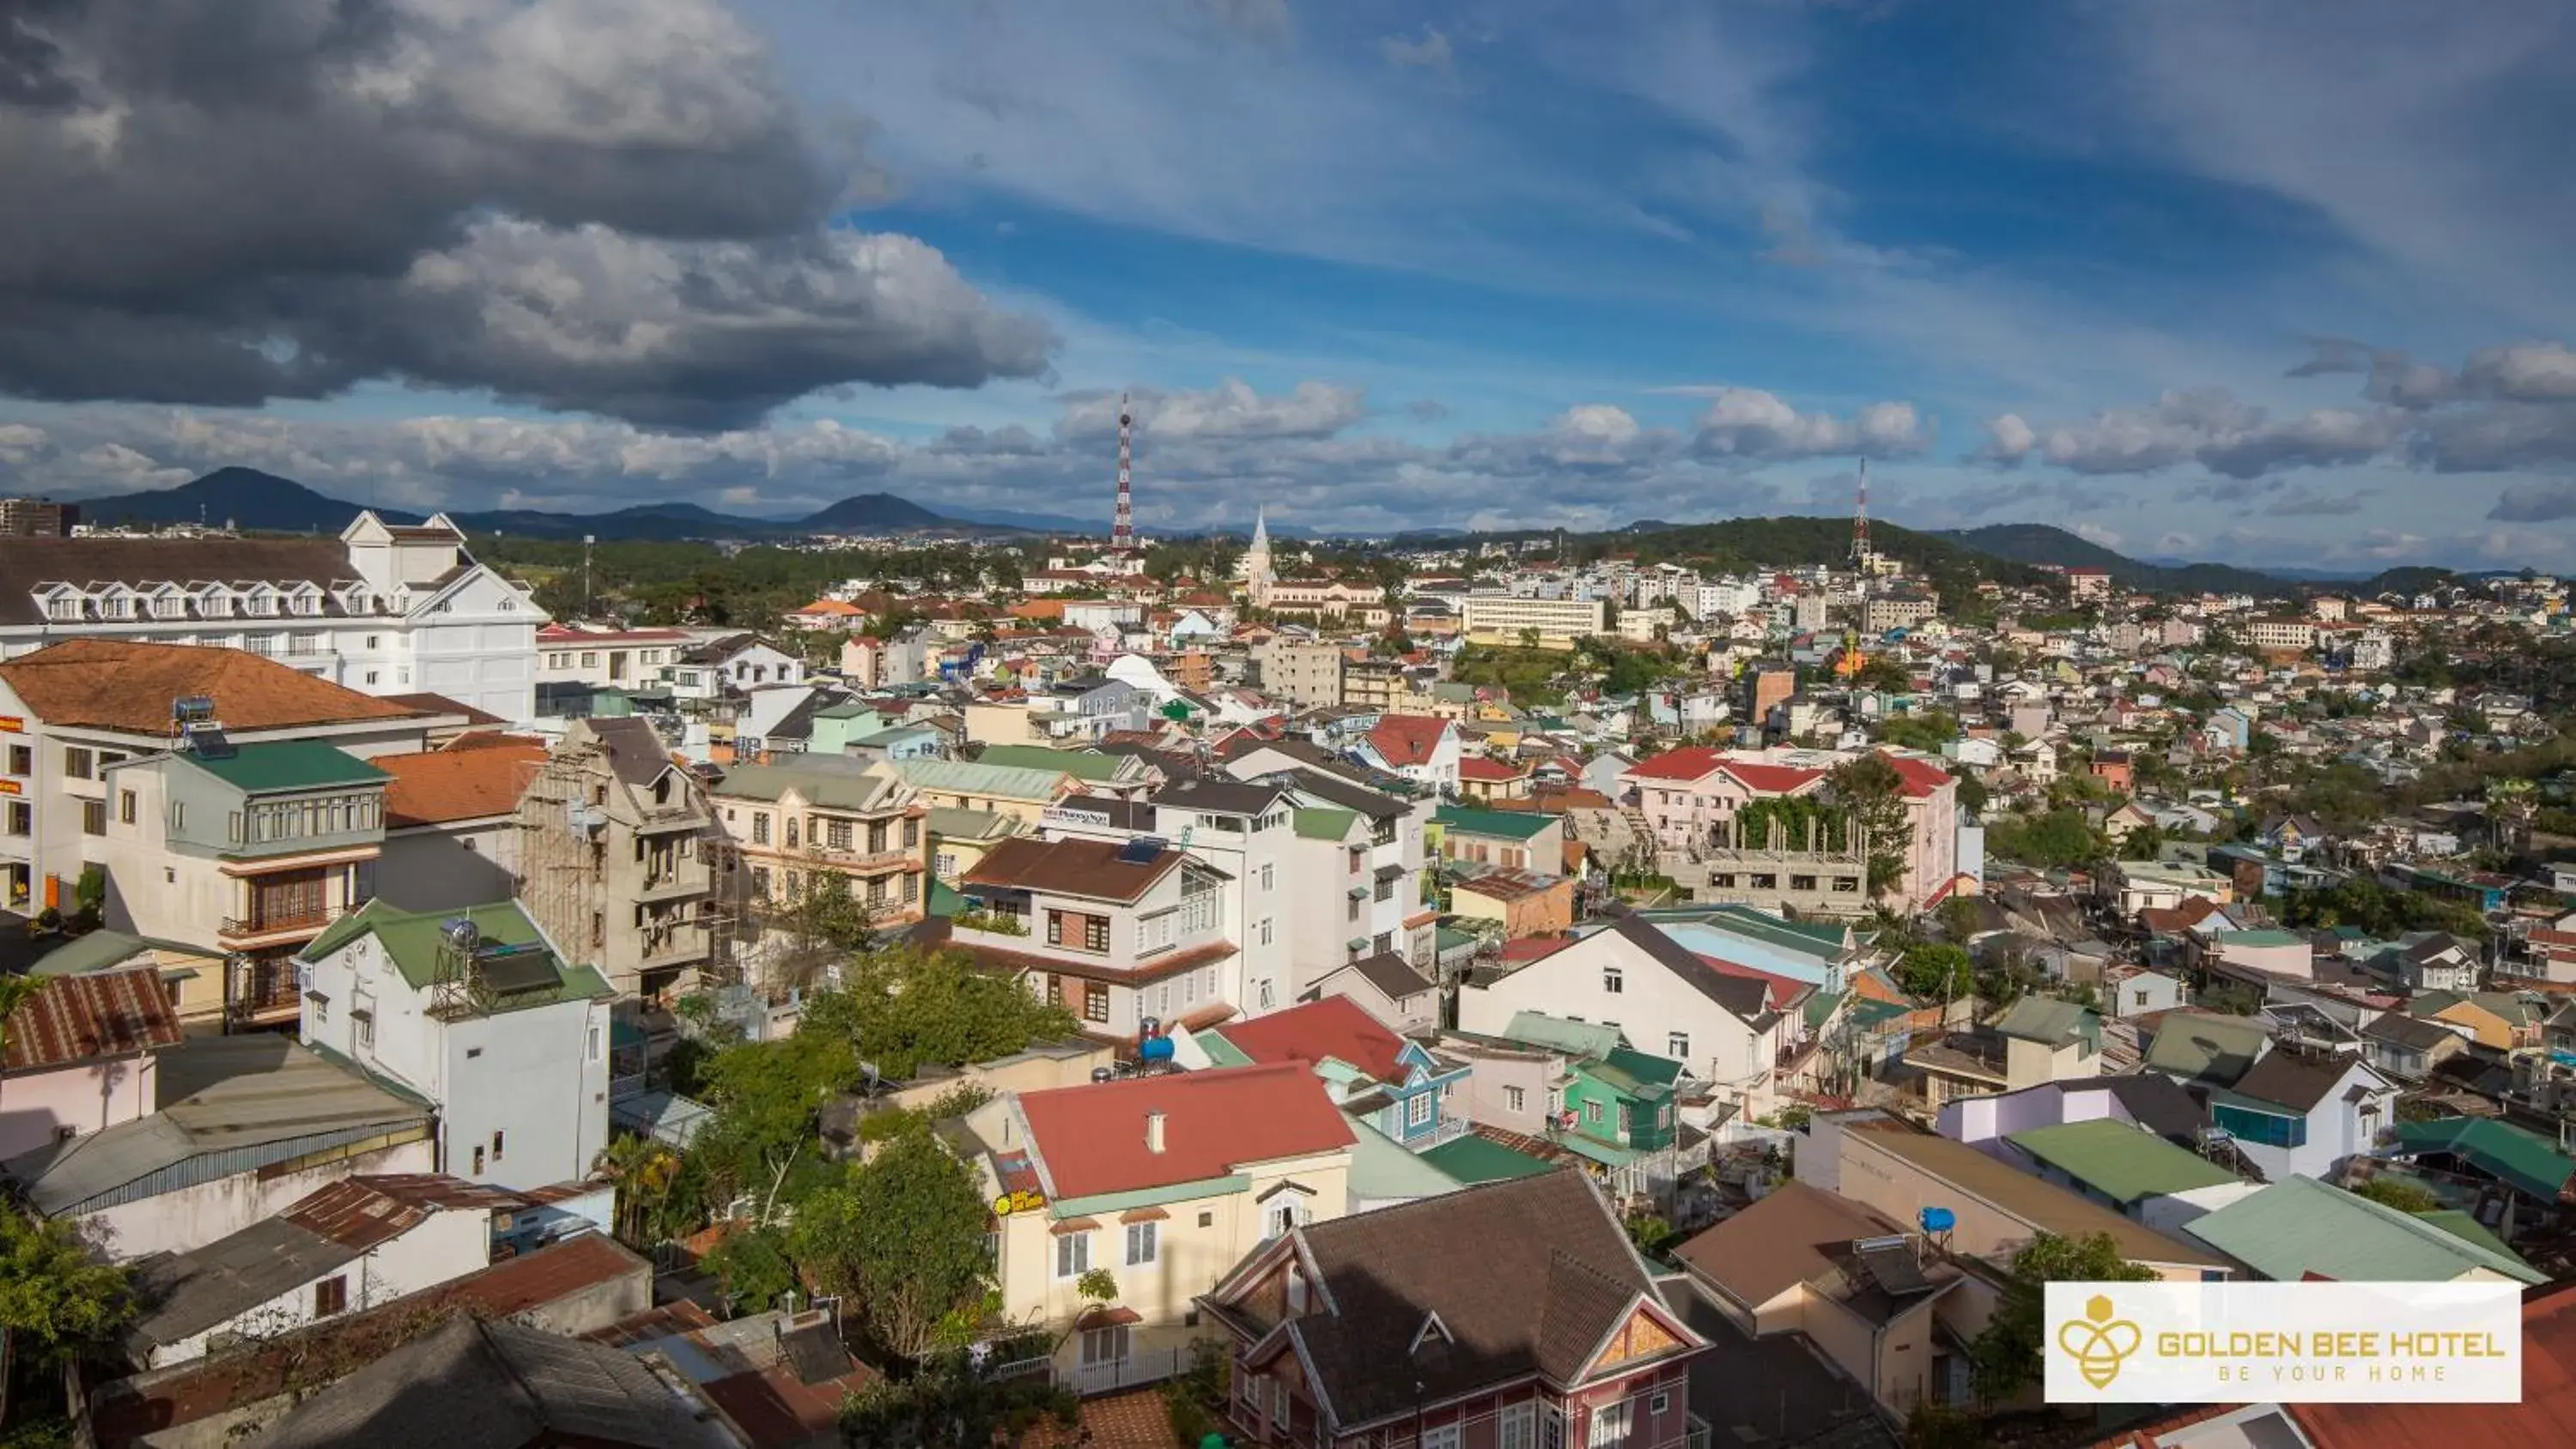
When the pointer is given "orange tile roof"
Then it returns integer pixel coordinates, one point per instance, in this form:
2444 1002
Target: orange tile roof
1092 1137
111 684
1334 1026
480 779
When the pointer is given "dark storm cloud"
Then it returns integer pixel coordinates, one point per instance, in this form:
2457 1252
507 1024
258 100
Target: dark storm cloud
601 205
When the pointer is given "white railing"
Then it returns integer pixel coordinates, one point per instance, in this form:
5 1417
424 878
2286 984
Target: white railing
1151 1366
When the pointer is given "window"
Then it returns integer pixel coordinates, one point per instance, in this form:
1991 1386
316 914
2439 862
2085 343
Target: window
836 834
79 763
1279 1401
1611 981
1072 928
125 807
1266 929
1143 1243
478 1160
1592 1113
1265 877
1659 1404
1282 1214
1095 1001
2263 1127
1516 1426
22 760
1417 1109
1551 1427
1443 1436
93 817
330 1296
1677 1046
365 1022
760 827
1610 1423
1514 1099
1104 1345
911 888
496 1146
1073 1255
1268 999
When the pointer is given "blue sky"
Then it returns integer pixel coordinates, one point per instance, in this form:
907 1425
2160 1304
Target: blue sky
2272 283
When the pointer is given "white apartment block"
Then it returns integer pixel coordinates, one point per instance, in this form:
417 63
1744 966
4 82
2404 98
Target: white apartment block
1504 618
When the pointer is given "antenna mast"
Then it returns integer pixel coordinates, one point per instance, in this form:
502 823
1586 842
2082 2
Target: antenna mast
1122 533
1860 518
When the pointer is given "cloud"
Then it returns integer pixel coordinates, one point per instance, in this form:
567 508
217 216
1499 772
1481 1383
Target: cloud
2210 427
1229 410
2536 502
2305 502
1431 52
610 206
1744 422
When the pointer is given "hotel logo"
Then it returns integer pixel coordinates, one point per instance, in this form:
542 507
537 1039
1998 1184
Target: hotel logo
2098 1342
2234 1343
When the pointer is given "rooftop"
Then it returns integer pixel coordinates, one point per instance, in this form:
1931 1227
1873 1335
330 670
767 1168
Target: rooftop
413 941
1502 824
110 684
2503 1151
2299 1227
2119 1160
75 1019
1334 1027
1107 870
1092 1137
440 787
282 766
2044 1206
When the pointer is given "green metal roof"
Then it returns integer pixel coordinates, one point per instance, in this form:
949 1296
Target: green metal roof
2204 1047
1501 824
1472 1159
284 765
834 789
1383 1171
969 777
2048 1021
2259 938
1079 764
2503 1151
951 823
1820 1007
1315 822
1221 1053
2299 1226
2119 1160
1581 1038
412 941
2466 1228
943 900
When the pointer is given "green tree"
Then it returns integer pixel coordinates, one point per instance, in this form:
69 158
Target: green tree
15 993
901 1238
1936 971
643 1171
766 1097
948 1405
1871 792
2006 1357
1924 732
753 1266
56 1301
903 1009
2399 1193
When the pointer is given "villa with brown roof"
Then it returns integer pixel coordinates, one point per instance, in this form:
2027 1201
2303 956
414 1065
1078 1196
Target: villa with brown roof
1115 931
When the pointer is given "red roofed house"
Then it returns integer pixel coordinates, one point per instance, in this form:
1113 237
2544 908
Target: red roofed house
1690 795
826 614
1415 746
1164 1182
1484 780
79 1056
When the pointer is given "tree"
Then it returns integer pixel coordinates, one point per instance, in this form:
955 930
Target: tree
950 1404
2399 1193
1936 971
643 1172
903 1010
900 1238
15 993
56 1302
1873 794
2006 1357
766 1096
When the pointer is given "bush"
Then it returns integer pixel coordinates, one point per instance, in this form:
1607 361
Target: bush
1196 1399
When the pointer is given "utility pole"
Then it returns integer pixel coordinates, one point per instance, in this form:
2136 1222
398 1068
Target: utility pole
586 541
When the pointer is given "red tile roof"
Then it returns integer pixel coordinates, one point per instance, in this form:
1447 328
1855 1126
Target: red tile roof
1407 739
1691 762
1922 778
1784 989
2545 1417
1092 1137
112 684
1332 1027
74 1019
471 782
1765 779
1478 767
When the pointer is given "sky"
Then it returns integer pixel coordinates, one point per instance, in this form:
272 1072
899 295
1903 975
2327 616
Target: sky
2266 283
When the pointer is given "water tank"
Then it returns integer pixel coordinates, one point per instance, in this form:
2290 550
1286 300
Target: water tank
462 934
1101 1074
1938 1219
1156 1051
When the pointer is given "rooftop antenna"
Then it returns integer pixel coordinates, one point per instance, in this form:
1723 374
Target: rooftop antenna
1860 517
587 540
1122 532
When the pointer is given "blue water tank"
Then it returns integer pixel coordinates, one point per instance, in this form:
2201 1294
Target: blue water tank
1155 1049
1938 1219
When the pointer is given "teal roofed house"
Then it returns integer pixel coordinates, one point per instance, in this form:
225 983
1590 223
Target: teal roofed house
1520 839
1401 1095
1614 1107
2513 1156
2299 1228
478 1013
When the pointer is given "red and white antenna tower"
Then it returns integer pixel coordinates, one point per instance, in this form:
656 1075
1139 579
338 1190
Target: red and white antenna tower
1860 517
1122 532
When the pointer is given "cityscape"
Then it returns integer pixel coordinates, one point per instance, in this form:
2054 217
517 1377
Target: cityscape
1251 723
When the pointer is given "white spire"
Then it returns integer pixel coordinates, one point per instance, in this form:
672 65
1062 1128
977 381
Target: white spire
1261 528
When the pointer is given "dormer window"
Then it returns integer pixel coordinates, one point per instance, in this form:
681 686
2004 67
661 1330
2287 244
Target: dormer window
65 609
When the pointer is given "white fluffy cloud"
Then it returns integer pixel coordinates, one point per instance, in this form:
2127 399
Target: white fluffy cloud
1746 422
1232 409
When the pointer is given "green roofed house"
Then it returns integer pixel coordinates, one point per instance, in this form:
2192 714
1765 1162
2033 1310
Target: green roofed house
1520 839
2048 1040
2118 1164
2205 1046
2522 1160
478 1013
1084 765
241 851
2299 1228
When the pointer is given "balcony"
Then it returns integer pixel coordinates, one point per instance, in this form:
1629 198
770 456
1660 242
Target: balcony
264 993
1449 1130
271 928
674 884
863 862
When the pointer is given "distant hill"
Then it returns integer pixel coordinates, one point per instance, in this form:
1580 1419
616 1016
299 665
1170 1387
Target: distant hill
2047 544
241 497
872 511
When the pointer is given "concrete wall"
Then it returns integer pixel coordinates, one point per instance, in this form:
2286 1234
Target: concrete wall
447 1246
438 867
191 1217
37 1107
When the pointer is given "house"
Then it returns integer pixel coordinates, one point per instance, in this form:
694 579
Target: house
1414 747
1162 1181
2295 1115
2157 1103
1521 902
247 1125
1387 987
2518 1160
1638 979
625 659
2300 1228
452 821
80 1057
1996 1209
614 837
732 664
796 826
1518 1305
2204 1047
2429 961
2048 1040
1689 794
345 1248
479 1013
1485 780
2122 1166
2499 1019
1856 1283
2408 1048
1397 1091
1516 839
1115 932
2134 991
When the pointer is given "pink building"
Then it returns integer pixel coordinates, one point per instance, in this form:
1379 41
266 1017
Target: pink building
1688 796
79 1057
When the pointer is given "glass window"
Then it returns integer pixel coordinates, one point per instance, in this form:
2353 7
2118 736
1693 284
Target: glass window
1441 1436
78 763
1514 1099
1610 1423
1677 1046
1611 981
1417 1108
1143 1240
1073 1255
1517 1423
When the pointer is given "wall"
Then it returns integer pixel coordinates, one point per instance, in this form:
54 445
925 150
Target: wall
540 1080
191 1217
1650 1002
446 1246
442 867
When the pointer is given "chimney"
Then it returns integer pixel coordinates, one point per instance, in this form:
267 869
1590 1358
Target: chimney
1153 1131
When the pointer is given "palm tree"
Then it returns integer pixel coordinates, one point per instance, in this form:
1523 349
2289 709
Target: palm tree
642 1170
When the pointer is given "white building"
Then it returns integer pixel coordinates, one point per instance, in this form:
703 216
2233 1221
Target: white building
734 663
385 609
477 1012
1508 619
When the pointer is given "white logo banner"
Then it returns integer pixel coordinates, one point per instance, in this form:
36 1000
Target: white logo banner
2318 1343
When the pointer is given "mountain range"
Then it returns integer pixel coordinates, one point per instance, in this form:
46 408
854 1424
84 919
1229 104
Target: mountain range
250 499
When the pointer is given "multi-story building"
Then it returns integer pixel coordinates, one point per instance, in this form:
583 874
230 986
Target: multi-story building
248 851
733 663
1162 1182
616 857
479 1013
1883 612
1303 673
1505 1316
1114 931
1359 890
387 610
72 711
37 518
1695 801
825 816
1511 619
2281 634
608 658
452 821
1246 832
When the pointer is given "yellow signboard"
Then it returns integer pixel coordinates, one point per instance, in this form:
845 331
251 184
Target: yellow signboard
13 724
1020 1201
11 787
